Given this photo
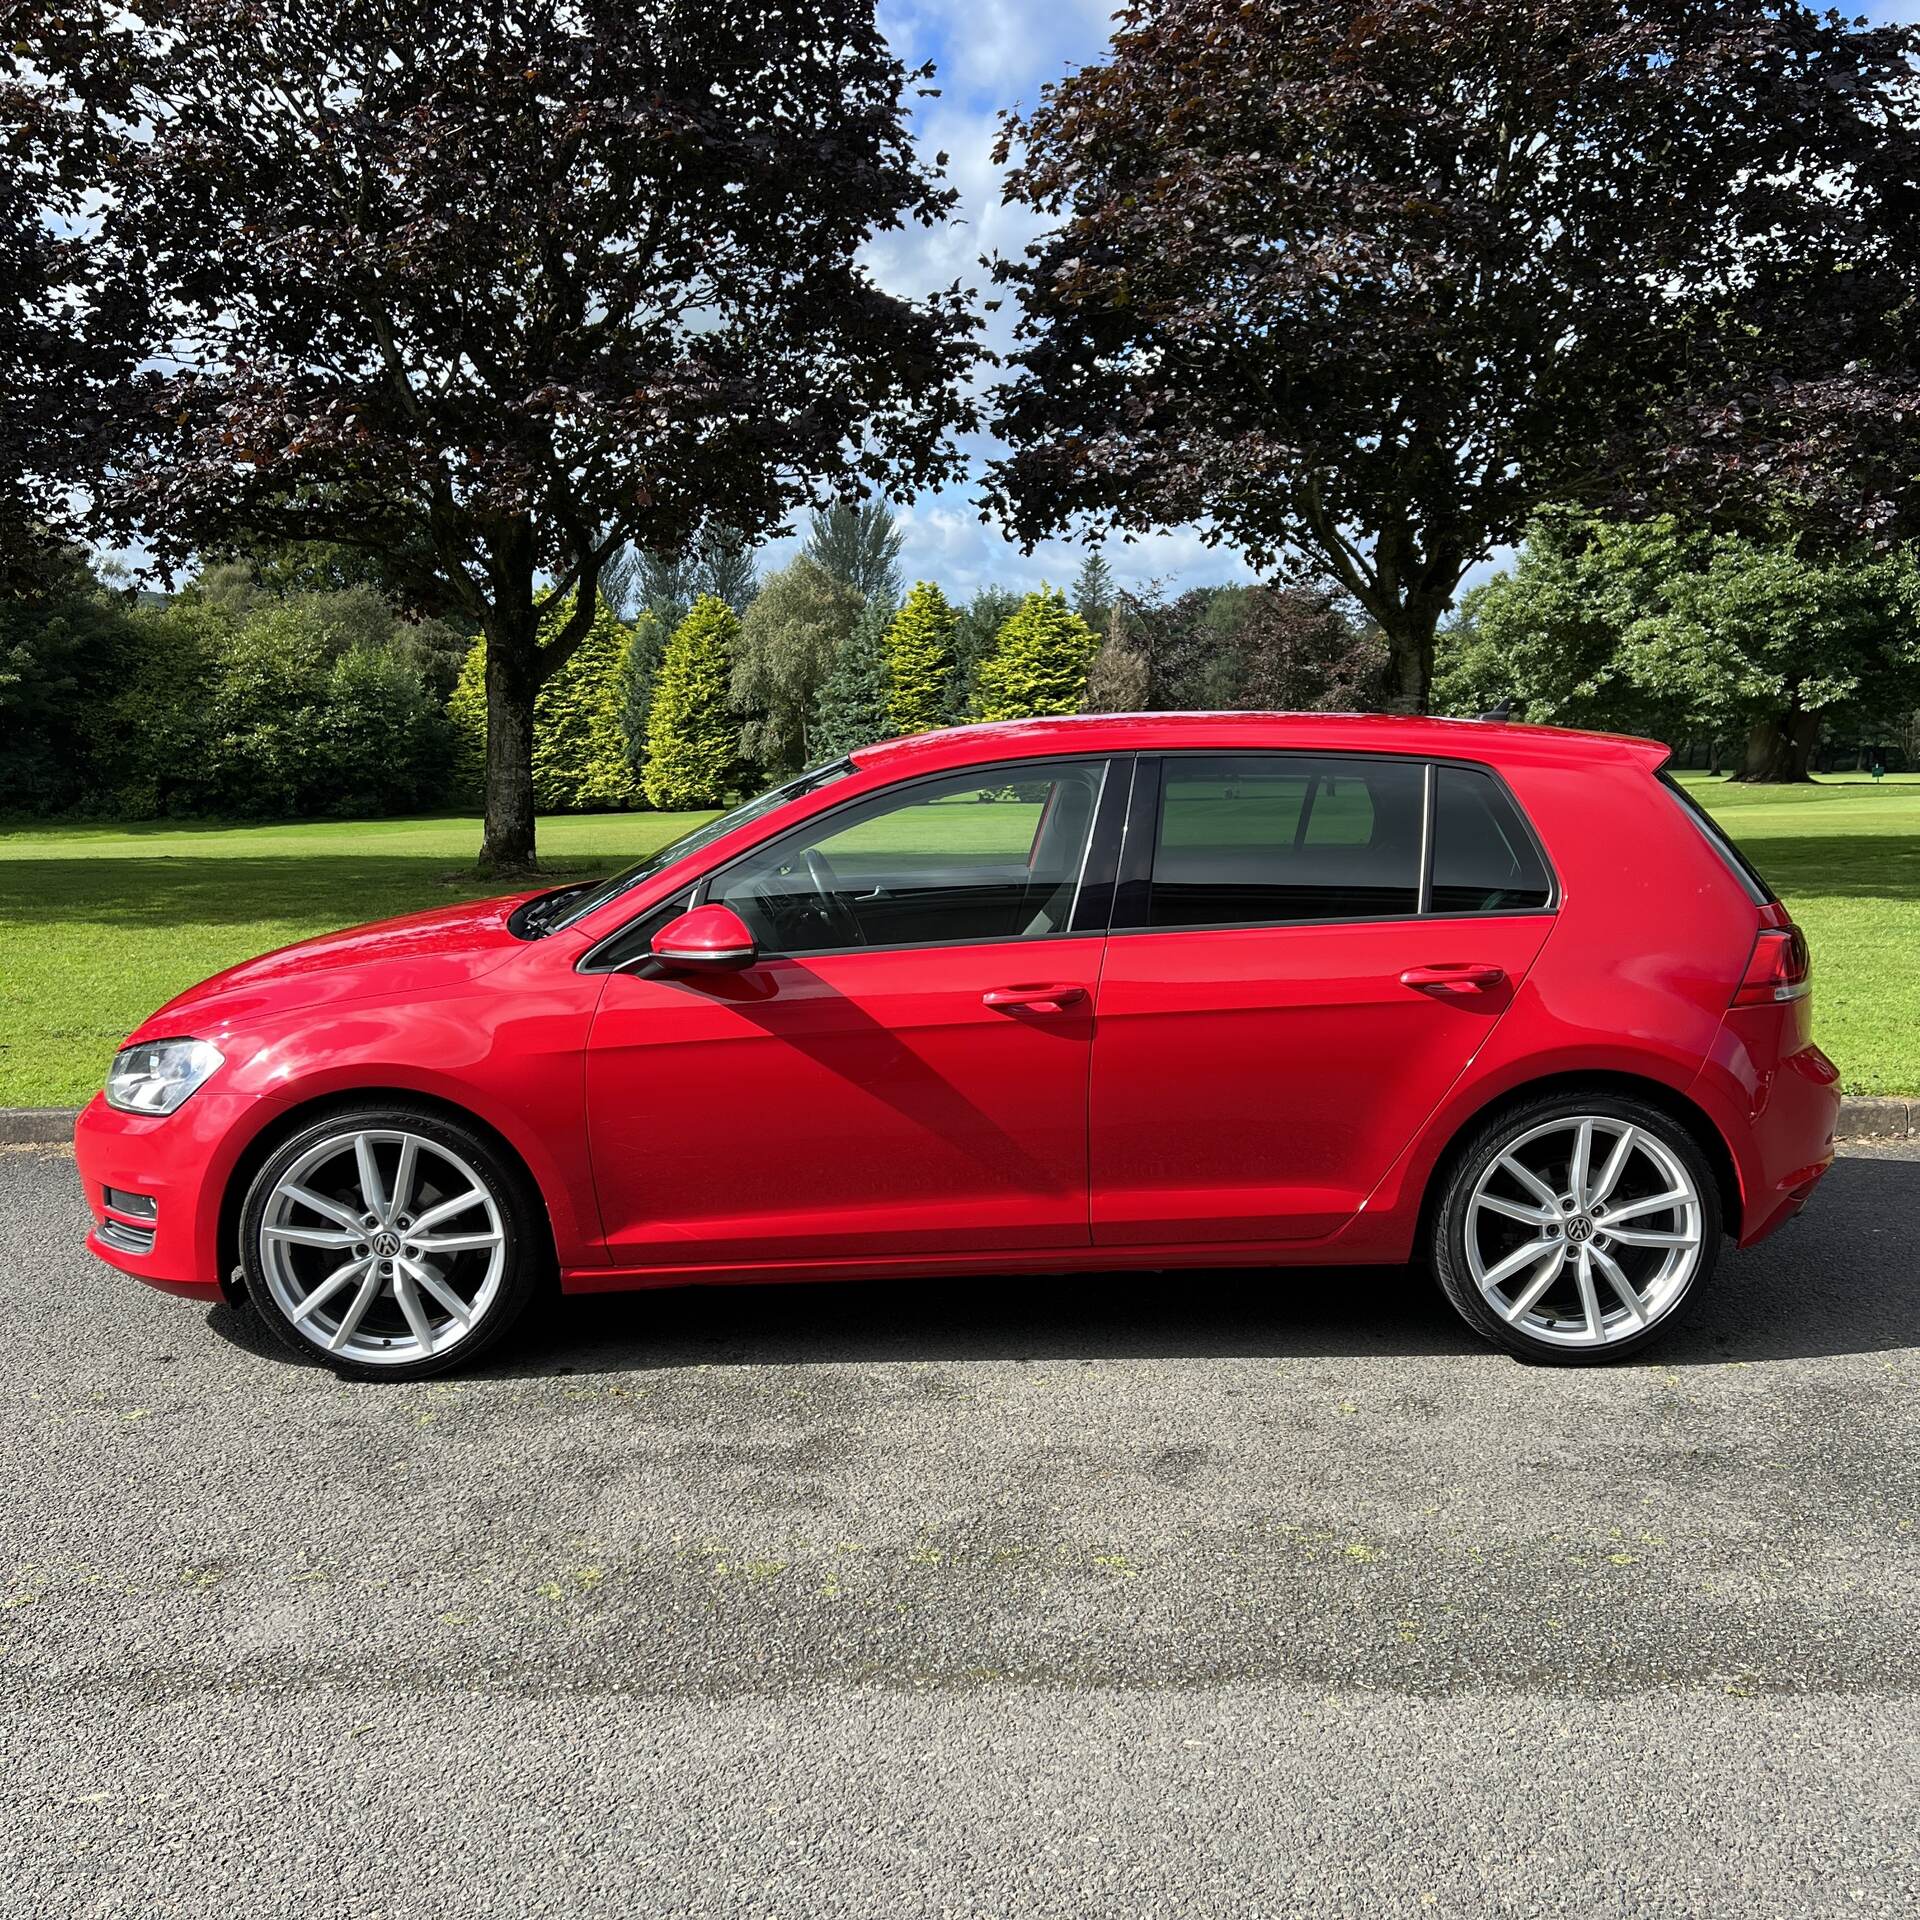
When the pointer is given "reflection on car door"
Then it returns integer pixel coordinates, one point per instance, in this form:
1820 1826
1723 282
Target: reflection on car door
1261 1058
903 1072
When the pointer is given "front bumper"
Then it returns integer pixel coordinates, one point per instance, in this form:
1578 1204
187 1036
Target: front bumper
181 1163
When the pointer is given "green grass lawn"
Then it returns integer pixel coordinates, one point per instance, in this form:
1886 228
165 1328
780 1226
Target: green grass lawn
1844 854
100 924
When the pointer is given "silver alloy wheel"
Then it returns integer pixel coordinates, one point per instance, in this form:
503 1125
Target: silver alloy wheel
382 1246
1584 1231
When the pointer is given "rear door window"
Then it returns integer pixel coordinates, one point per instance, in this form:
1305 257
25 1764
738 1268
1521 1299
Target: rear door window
1484 860
1270 839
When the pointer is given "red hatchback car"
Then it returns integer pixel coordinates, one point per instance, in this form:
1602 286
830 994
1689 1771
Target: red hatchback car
1148 991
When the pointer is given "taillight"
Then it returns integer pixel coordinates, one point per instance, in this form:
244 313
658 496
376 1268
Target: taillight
1779 968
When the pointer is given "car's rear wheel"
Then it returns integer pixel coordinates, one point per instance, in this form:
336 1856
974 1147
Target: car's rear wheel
1577 1228
390 1243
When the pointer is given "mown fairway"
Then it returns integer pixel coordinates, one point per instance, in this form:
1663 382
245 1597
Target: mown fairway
100 924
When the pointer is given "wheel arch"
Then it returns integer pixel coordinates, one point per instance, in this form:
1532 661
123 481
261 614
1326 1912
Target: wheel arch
1700 1126
293 1119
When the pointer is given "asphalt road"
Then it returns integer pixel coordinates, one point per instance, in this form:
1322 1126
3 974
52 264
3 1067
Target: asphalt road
1184 1595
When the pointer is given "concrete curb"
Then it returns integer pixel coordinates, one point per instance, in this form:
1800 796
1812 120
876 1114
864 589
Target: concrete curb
1862 1117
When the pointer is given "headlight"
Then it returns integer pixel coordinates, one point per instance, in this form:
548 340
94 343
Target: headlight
156 1076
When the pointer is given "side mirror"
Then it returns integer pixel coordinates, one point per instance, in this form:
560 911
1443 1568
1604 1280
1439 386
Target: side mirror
709 939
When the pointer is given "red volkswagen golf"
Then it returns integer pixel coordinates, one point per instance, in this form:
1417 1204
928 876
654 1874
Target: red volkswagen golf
1149 991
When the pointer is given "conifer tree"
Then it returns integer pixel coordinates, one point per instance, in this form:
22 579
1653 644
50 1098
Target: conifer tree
693 749
920 660
1039 662
1094 592
987 612
850 709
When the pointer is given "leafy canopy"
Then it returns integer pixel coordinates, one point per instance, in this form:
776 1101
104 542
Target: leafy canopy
1360 284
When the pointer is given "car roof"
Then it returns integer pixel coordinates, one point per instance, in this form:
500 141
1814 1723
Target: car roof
1493 742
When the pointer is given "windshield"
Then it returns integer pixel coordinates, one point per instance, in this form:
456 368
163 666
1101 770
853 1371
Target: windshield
569 904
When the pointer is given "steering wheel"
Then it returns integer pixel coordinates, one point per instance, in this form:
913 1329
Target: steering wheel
833 903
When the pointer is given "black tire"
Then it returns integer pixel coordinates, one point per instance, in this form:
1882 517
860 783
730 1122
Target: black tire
1550 1334
444 1149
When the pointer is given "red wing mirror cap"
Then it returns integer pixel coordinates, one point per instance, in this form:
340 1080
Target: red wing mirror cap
709 939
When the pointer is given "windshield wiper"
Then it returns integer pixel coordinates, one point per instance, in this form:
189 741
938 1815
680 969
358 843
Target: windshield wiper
531 920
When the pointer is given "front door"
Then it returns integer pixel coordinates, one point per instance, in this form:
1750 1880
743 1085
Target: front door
902 1072
1277 1013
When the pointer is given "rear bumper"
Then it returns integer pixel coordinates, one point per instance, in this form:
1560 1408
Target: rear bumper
1778 1118
178 1166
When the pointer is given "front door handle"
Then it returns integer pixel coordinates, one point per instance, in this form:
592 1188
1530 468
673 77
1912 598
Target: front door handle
1454 977
1054 999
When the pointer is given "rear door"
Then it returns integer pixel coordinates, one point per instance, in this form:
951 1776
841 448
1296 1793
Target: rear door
1307 949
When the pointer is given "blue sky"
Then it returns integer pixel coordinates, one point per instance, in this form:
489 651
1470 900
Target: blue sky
992 54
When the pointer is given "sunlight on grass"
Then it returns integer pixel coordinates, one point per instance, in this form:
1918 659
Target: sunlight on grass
101 923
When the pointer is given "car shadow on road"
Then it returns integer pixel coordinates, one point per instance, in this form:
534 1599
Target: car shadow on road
1844 1280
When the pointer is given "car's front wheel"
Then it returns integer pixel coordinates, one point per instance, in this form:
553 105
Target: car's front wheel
389 1242
1576 1228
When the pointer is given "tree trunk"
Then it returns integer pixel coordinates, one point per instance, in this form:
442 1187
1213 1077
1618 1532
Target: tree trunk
1409 680
1779 749
506 845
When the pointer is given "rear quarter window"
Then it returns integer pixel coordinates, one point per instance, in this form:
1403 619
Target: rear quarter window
1484 859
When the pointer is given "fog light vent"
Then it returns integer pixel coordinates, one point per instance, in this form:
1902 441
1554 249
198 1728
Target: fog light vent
136 1206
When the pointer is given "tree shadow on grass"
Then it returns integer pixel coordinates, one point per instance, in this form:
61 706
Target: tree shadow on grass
318 890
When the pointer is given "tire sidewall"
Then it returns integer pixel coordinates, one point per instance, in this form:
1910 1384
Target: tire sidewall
506 1184
1448 1249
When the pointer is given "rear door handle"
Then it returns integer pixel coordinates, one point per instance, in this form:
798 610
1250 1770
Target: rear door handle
1454 977
1054 999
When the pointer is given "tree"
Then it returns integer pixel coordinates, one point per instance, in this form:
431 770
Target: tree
1656 628
1545 636
919 651
986 613
1367 281
639 667
1167 652
1094 591
859 546
66 329
666 585
851 708
796 625
65 649
1039 662
580 758
1302 652
1119 679
693 746
543 280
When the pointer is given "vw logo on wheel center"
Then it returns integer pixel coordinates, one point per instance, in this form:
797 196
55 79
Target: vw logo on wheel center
1579 1228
